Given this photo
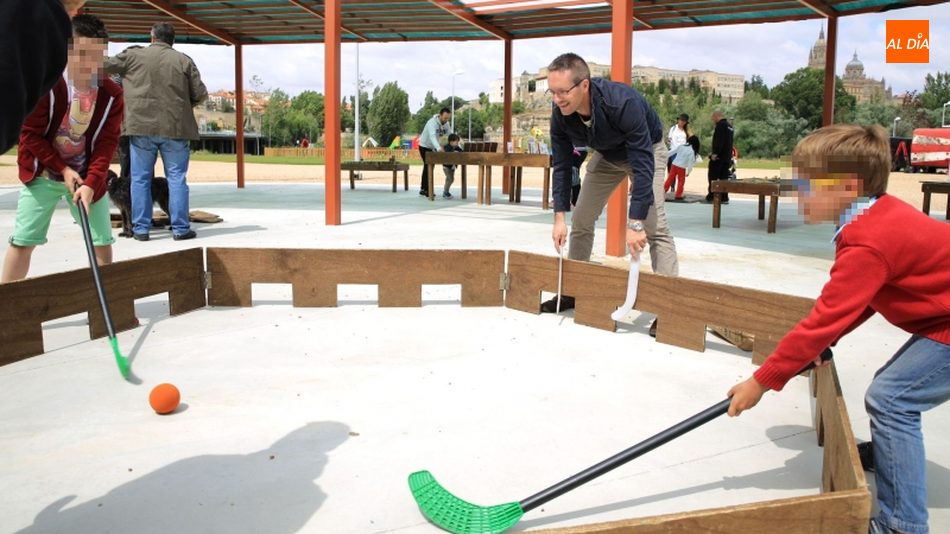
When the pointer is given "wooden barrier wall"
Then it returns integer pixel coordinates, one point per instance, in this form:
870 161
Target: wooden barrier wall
684 307
28 303
315 274
844 505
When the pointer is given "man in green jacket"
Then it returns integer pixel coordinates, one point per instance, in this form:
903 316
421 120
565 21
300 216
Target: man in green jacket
161 86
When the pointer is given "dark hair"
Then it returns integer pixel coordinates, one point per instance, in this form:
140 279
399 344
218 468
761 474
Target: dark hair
573 63
445 110
454 137
164 32
694 142
89 26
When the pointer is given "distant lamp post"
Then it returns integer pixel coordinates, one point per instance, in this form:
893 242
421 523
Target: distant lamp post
456 73
894 128
943 120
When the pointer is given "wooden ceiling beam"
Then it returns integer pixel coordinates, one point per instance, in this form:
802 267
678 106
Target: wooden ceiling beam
818 6
180 15
471 19
319 15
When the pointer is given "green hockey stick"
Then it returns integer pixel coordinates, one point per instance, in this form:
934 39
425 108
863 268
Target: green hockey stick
455 515
120 360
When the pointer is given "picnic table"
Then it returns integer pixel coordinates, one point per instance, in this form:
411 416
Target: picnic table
761 187
389 166
485 161
928 188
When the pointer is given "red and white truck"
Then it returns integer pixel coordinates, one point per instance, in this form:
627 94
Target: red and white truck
930 149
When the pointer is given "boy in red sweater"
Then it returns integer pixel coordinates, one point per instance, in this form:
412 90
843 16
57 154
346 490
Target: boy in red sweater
890 259
66 145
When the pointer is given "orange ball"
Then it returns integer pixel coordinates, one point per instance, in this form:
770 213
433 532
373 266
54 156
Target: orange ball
164 398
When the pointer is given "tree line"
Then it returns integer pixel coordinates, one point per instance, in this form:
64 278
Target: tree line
768 122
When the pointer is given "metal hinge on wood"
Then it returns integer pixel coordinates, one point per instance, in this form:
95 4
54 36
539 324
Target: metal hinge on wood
207 279
504 282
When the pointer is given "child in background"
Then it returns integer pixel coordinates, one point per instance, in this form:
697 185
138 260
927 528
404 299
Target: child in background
890 258
452 146
683 158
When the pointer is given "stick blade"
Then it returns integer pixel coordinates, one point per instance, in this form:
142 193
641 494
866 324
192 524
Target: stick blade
452 514
121 361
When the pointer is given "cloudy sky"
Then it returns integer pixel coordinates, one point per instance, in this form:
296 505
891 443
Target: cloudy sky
769 50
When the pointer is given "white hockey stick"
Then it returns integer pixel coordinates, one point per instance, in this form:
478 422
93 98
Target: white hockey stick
560 276
633 281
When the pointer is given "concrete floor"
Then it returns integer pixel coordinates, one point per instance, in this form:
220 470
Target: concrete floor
311 419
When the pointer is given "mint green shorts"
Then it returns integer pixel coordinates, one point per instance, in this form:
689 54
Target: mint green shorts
34 212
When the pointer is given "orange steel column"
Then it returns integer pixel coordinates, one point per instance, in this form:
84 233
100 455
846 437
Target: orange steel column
507 128
828 102
621 58
239 107
331 40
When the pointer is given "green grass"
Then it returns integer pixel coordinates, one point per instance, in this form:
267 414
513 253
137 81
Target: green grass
277 160
770 164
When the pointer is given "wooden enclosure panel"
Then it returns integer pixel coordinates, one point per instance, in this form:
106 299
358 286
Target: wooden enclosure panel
841 469
28 303
843 512
597 290
315 274
684 307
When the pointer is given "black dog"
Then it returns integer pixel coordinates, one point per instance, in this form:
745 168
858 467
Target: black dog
120 191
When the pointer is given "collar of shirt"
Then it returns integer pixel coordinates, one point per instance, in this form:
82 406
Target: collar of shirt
859 207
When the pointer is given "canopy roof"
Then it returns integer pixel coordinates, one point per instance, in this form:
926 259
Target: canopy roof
301 21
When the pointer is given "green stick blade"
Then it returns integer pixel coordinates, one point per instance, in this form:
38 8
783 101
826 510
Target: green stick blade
120 360
450 513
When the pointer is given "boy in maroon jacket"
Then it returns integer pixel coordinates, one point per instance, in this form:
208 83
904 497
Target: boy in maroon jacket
891 259
66 145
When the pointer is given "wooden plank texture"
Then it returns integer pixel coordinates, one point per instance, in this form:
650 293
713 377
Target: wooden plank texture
841 469
28 303
684 307
315 274
843 512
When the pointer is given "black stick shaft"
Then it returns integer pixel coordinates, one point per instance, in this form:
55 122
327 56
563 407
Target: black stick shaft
637 450
94 266
625 456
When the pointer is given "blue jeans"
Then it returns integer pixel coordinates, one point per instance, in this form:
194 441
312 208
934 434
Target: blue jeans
175 155
916 379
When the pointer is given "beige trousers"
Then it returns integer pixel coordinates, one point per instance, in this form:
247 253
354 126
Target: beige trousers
600 181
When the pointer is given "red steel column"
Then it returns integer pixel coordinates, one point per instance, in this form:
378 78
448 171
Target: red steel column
239 107
507 124
332 110
828 102
621 58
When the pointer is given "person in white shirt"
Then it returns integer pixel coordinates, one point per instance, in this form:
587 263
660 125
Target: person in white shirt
677 136
429 142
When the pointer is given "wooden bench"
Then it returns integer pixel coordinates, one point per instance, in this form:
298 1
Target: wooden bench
753 186
929 188
393 166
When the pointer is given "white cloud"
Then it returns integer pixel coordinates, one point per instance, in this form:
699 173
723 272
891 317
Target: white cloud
769 50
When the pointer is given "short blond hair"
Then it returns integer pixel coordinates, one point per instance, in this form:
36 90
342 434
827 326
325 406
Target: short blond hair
862 151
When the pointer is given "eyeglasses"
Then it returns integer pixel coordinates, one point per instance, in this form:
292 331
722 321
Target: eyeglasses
804 185
564 93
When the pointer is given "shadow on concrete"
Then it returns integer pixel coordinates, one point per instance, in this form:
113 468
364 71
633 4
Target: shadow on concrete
801 472
272 490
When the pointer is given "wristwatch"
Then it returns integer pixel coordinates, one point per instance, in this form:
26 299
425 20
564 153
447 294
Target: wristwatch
636 226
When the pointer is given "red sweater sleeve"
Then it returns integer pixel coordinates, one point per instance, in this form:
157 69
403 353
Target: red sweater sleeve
105 147
33 140
856 276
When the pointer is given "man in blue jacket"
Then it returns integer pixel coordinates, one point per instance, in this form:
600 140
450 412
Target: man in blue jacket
625 138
